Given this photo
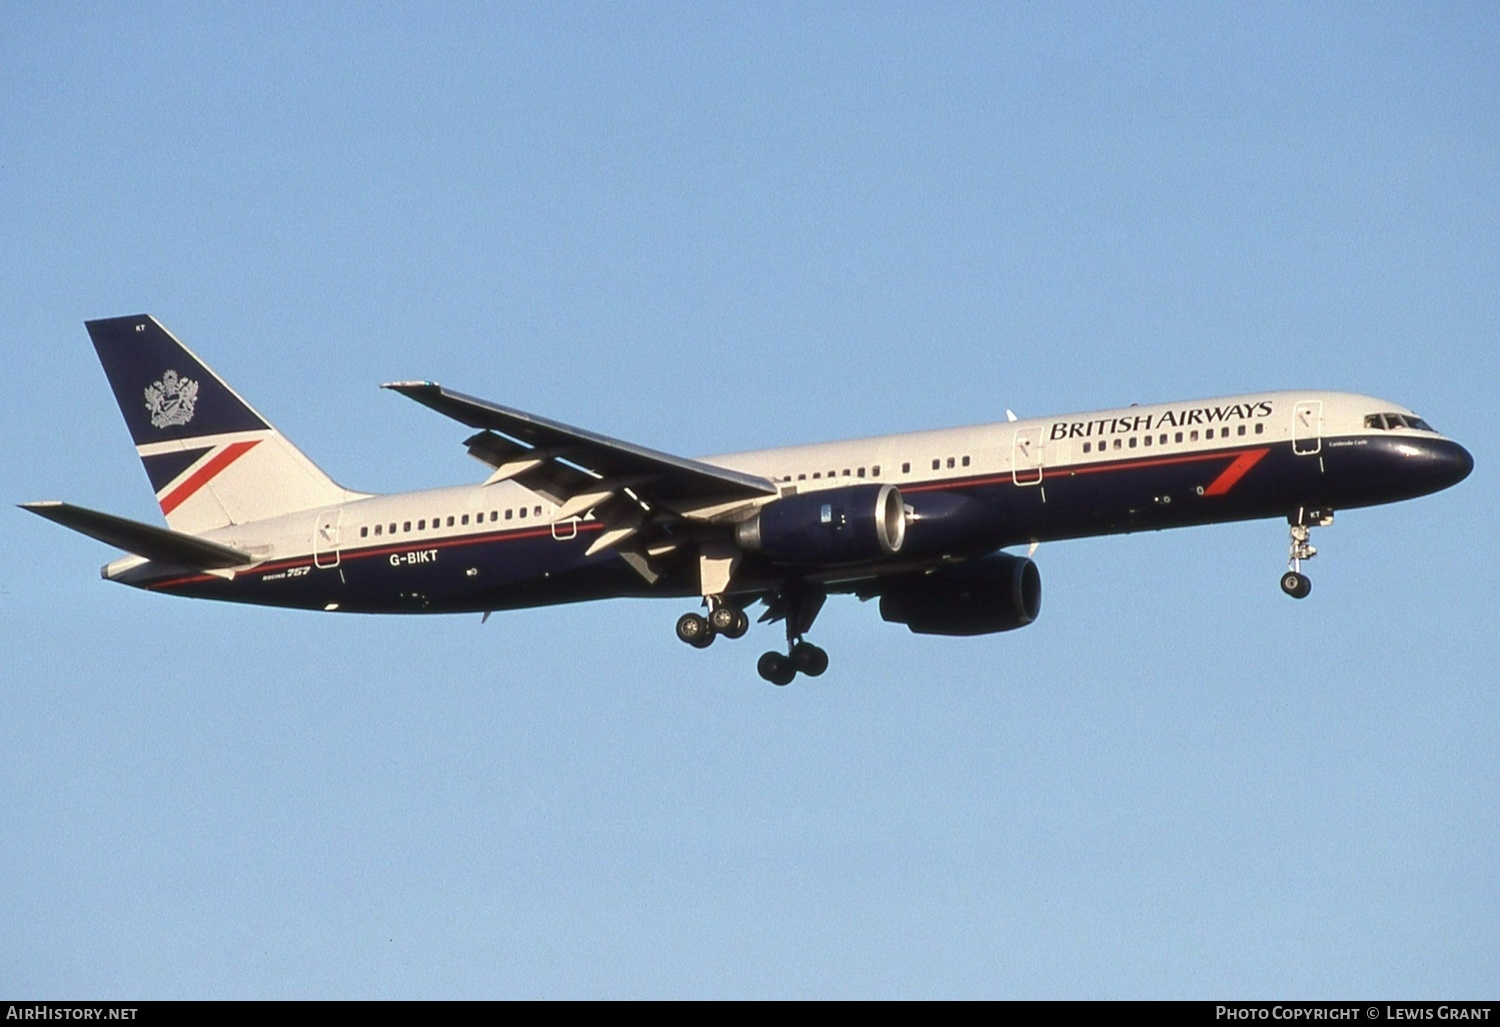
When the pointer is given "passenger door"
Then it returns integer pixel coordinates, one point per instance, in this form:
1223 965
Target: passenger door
1307 427
1026 457
326 539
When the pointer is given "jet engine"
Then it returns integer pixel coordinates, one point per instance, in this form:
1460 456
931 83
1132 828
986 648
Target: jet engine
837 526
996 593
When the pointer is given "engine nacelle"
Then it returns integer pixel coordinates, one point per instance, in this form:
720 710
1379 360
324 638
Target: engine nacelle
996 593
837 526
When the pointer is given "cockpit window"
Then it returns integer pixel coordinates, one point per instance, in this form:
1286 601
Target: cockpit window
1386 422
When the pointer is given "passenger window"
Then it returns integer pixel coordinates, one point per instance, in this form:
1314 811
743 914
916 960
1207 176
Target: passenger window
523 512
393 527
406 526
802 477
936 464
1163 439
875 471
1193 435
450 520
906 467
817 475
1087 446
1179 437
537 511
364 532
1260 429
1132 442
950 462
966 461
377 529
846 473
861 473
1241 431
1117 443
1147 440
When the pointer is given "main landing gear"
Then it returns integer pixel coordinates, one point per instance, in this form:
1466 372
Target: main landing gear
1294 583
797 605
804 658
699 631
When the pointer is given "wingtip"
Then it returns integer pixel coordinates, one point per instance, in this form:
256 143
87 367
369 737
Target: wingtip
410 386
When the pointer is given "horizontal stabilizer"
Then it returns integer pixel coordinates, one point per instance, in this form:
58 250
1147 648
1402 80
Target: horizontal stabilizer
141 539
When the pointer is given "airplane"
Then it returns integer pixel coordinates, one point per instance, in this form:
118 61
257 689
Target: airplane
920 521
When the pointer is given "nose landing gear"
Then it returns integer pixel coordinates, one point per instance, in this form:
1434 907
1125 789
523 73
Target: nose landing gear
1294 583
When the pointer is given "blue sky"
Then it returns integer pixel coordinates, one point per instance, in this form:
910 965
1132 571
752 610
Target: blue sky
709 228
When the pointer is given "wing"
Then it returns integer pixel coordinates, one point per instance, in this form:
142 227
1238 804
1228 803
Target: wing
672 481
634 490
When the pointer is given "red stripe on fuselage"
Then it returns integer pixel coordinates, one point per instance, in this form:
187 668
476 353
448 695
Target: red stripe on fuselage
1234 472
205 474
345 555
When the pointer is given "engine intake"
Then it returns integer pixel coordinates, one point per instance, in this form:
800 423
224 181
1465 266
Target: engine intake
997 593
837 526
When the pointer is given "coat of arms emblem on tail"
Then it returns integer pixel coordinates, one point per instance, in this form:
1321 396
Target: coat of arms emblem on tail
170 401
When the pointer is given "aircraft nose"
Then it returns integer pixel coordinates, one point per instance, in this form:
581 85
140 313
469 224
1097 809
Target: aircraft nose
1463 463
1447 463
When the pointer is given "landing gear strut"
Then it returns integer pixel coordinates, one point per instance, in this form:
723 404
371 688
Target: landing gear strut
1294 583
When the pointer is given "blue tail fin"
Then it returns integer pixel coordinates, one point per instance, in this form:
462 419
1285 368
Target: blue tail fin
211 458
